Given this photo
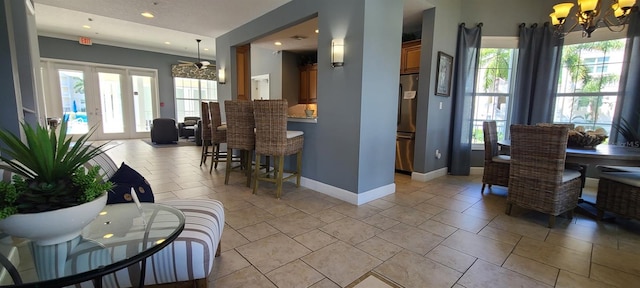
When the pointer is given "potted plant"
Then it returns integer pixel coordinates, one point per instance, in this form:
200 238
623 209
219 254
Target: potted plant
49 181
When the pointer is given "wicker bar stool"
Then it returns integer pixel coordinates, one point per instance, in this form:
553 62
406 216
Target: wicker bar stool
273 139
538 179
496 167
240 136
218 135
205 132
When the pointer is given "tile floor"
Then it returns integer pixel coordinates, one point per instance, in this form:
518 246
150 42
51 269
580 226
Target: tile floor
442 233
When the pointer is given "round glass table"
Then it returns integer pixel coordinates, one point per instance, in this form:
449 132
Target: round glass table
122 235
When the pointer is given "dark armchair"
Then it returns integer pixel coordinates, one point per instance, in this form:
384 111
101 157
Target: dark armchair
164 131
186 128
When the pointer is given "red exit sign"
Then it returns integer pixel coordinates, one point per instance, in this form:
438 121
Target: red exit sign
85 41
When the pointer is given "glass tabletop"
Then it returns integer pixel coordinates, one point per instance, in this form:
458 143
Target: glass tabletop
120 236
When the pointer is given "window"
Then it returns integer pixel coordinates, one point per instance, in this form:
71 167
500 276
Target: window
190 93
588 84
494 91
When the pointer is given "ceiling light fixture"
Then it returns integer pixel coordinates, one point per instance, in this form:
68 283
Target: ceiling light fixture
298 37
86 26
147 15
587 16
277 43
317 31
168 43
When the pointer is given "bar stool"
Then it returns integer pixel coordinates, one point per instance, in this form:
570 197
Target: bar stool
240 136
218 134
273 139
205 132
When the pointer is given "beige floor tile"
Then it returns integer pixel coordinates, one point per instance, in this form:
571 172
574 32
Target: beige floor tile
479 213
296 223
428 208
382 204
295 274
487 249
351 230
487 275
325 283
412 270
567 279
315 239
246 217
272 252
232 239
553 255
311 204
569 242
258 231
449 203
247 277
459 220
613 277
328 216
500 235
605 235
227 263
616 259
407 199
440 229
451 258
411 238
357 212
407 215
536 270
380 221
520 227
379 248
353 262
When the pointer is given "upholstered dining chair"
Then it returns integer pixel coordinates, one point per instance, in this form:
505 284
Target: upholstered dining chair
538 179
218 135
273 139
496 166
240 136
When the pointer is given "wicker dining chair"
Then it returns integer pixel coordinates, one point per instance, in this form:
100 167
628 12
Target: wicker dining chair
205 132
538 179
496 166
218 135
273 139
240 136
619 192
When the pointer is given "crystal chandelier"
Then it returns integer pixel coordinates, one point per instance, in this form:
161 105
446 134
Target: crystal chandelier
587 16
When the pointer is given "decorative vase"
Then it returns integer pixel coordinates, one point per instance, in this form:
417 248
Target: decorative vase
53 227
309 113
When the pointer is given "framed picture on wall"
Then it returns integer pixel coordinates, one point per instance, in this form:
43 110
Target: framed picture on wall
443 74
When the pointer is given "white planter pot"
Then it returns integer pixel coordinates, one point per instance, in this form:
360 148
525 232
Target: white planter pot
53 227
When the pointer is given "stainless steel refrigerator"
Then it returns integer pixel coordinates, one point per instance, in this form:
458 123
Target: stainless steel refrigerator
406 133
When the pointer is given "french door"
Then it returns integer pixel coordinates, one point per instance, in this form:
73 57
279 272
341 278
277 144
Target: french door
118 102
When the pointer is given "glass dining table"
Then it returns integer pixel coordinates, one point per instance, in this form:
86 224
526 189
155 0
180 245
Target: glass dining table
122 236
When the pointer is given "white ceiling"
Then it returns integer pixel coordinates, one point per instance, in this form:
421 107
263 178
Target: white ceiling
119 23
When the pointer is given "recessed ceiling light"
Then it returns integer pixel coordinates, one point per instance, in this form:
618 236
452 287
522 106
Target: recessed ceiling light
147 15
277 43
86 26
317 31
206 49
168 43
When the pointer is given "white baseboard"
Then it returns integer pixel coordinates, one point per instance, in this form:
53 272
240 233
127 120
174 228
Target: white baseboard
424 177
348 196
476 171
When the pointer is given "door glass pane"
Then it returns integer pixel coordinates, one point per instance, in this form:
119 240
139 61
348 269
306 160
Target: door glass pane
111 102
142 102
74 106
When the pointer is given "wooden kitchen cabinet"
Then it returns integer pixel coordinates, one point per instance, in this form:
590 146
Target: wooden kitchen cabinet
410 57
308 84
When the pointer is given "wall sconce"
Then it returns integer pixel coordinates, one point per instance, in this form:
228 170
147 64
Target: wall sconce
222 78
337 52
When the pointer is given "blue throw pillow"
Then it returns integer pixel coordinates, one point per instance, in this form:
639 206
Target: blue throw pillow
123 180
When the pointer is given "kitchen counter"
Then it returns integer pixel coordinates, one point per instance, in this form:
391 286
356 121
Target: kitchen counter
302 119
